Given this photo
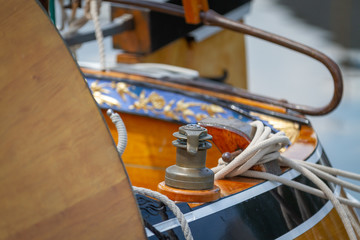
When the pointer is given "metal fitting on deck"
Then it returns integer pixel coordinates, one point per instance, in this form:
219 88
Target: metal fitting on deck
190 172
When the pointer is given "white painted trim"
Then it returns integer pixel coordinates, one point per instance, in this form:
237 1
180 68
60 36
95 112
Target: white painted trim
234 199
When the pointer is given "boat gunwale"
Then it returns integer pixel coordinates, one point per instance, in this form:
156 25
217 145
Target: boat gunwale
236 198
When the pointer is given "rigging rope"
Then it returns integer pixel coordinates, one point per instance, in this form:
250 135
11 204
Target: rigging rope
264 148
91 11
94 11
122 141
121 130
171 205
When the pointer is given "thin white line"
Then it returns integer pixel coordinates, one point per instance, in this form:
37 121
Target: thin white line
234 199
311 222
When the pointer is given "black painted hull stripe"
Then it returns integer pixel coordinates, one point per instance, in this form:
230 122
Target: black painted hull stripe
234 199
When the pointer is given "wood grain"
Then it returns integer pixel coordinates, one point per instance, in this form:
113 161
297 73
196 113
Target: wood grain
138 39
330 227
210 61
60 174
190 196
149 150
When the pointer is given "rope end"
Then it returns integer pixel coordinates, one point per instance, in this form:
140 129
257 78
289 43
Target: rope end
109 112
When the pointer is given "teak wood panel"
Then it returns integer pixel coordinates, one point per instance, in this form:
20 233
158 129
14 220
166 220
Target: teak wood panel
60 174
222 51
330 228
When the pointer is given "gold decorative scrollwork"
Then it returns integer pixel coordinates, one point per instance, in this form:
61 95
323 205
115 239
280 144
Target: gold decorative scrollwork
101 98
99 92
157 104
168 112
141 103
212 109
157 101
154 102
123 89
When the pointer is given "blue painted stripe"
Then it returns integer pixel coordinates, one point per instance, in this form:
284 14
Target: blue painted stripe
156 103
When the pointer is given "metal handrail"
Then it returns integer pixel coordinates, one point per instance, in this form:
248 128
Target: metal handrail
214 19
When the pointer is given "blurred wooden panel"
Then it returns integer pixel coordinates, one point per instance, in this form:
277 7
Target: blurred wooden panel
330 227
137 40
60 174
222 51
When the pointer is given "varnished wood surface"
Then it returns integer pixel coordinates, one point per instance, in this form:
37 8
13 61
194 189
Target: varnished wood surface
60 174
234 140
149 150
304 144
190 196
222 51
147 156
136 40
329 228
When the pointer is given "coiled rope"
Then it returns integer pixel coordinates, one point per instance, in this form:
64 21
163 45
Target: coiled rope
121 130
265 147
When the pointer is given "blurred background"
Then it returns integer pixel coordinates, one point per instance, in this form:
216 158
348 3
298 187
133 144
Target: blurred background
332 27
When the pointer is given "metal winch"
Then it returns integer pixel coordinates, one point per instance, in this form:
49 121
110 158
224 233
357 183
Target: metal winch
190 171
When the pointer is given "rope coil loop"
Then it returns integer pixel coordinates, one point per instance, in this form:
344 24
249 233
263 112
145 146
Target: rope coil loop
265 147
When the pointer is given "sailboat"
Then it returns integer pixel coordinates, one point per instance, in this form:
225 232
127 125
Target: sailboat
204 160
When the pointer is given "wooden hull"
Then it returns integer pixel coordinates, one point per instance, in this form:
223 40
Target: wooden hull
250 208
53 184
60 174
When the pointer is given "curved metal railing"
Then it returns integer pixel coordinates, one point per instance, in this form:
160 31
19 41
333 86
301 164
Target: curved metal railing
214 19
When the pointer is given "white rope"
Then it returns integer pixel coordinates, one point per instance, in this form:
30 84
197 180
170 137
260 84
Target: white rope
265 146
261 147
63 15
94 11
330 178
296 185
333 171
122 141
76 24
91 11
327 191
121 130
171 205
353 221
